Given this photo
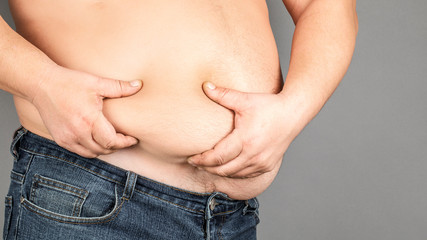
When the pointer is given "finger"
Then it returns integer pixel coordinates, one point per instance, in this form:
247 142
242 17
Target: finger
248 172
111 88
229 169
84 145
229 98
93 147
82 151
105 135
225 150
254 170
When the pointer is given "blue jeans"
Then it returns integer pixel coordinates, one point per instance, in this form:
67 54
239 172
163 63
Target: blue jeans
56 194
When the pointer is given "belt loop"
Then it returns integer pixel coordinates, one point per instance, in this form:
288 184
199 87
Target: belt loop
130 185
251 205
14 147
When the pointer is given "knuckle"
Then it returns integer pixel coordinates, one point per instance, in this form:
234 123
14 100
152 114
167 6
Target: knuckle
96 80
260 163
109 144
221 172
199 159
269 168
121 86
98 102
99 81
223 93
252 175
118 87
77 138
266 166
253 161
263 165
83 123
219 159
202 157
70 137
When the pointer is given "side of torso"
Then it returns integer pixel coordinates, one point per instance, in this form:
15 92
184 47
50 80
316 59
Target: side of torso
173 46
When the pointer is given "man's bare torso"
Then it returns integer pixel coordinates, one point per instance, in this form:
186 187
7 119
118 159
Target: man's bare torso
173 46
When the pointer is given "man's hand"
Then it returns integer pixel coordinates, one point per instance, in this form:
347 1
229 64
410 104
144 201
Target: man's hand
264 126
70 104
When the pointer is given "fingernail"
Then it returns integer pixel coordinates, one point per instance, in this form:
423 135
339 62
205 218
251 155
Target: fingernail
210 85
135 83
191 162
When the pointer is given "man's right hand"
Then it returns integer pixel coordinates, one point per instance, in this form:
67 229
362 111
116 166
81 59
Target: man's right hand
70 104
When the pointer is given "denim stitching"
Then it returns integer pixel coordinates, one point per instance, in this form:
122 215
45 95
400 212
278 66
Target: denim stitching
226 212
8 201
220 227
130 188
8 214
79 195
80 192
65 160
83 221
17 177
27 167
76 207
32 193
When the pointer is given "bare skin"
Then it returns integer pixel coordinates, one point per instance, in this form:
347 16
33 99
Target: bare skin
242 133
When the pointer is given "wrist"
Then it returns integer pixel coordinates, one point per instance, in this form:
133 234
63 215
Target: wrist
47 73
302 103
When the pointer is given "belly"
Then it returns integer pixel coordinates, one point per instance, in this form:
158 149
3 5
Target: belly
173 47
170 126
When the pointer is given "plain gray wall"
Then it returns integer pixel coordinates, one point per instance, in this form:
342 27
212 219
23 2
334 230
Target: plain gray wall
359 169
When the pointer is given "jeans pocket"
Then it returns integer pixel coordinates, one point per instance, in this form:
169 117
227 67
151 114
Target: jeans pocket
57 196
7 216
63 202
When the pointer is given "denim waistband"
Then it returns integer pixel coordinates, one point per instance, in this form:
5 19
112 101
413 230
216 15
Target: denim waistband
199 202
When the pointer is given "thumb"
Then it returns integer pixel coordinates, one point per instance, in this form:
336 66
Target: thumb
111 88
229 98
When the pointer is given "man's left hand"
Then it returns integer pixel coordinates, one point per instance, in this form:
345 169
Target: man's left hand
264 126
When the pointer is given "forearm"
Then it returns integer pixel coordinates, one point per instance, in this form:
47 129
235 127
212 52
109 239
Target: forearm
322 49
22 65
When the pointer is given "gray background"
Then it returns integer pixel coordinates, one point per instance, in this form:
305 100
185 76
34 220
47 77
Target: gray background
359 169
